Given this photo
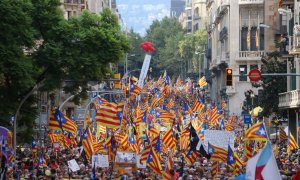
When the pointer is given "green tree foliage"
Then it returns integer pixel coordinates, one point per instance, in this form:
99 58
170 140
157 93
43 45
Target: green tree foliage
163 34
272 85
78 50
135 55
192 46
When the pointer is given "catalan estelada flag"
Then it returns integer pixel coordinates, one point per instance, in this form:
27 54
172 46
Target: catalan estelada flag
198 105
87 142
214 116
191 156
169 140
153 161
134 89
217 153
256 132
107 115
59 121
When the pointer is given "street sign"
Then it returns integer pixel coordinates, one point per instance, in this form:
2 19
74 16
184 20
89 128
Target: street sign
254 75
247 119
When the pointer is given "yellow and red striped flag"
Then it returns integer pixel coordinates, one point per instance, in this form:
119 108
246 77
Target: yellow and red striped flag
168 140
107 115
169 164
202 82
218 153
87 142
247 151
256 132
59 121
282 134
198 105
153 161
214 170
191 156
292 144
134 89
214 116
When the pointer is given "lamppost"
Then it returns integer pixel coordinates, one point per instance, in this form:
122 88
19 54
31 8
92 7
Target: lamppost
199 61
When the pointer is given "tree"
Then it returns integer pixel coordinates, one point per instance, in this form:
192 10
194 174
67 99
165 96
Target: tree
135 56
78 50
17 70
160 33
272 85
191 47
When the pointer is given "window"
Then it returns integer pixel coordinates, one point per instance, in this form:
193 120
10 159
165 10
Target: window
69 14
254 39
253 66
244 39
261 39
243 72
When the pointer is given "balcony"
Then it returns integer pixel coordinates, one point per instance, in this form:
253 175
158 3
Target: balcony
249 2
294 45
250 55
74 2
289 99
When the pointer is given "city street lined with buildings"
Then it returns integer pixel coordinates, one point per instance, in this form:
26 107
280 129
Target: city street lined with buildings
171 89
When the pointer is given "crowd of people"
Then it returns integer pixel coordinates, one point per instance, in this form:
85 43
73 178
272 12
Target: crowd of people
55 164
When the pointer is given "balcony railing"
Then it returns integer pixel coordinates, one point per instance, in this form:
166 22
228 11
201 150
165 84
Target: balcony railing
251 55
251 1
74 2
294 45
289 99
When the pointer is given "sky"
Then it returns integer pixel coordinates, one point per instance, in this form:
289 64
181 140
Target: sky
139 14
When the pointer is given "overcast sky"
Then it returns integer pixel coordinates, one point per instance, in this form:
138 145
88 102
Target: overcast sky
139 14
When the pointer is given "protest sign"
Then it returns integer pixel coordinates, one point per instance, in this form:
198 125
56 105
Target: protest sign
127 157
73 165
139 164
100 160
219 138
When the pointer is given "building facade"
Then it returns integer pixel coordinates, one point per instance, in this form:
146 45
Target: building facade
237 40
290 100
177 7
74 8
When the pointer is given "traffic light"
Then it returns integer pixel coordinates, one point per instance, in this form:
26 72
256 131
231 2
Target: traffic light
117 83
228 77
279 3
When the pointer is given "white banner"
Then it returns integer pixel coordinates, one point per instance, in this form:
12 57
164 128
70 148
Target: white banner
219 138
73 165
144 70
100 160
138 163
127 157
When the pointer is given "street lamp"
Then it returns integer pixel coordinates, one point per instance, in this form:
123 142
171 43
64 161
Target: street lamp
200 54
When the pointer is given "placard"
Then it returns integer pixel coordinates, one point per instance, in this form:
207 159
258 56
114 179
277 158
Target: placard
100 160
144 70
125 157
73 165
219 138
139 164
56 147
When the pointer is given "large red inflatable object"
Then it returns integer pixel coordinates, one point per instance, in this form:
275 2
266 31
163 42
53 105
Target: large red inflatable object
147 46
